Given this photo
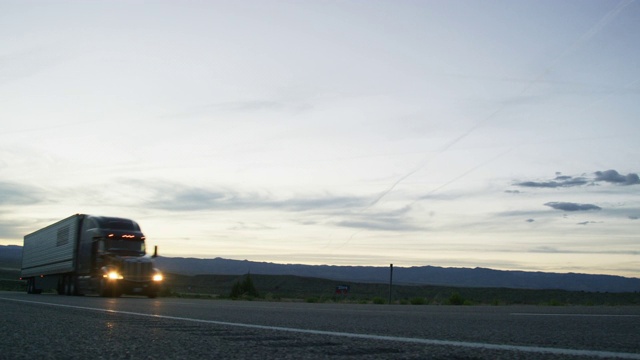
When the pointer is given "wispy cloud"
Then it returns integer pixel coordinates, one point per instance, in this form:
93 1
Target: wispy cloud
379 224
587 222
18 194
180 197
250 105
29 62
555 250
10 229
394 220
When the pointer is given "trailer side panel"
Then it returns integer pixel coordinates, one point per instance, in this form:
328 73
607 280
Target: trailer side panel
51 250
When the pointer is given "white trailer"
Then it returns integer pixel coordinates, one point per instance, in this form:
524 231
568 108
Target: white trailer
51 250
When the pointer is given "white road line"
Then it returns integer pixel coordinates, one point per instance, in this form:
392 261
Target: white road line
528 349
576 315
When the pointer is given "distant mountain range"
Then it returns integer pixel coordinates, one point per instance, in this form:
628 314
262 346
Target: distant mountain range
10 257
421 275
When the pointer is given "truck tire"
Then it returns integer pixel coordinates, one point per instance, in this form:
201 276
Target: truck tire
103 289
108 291
70 285
30 286
67 285
60 288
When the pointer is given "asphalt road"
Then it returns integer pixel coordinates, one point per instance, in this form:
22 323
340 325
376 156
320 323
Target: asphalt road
63 327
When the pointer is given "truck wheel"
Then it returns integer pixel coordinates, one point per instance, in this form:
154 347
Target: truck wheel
31 287
103 290
67 285
152 294
72 286
108 291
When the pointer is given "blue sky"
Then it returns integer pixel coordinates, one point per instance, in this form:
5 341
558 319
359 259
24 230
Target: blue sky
498 134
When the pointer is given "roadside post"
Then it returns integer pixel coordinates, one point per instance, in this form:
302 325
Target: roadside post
342 290
390 282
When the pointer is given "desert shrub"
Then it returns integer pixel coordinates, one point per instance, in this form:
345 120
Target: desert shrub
456 299
418 301
244 289
166 292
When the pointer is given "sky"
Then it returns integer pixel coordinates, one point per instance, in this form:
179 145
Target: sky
457 133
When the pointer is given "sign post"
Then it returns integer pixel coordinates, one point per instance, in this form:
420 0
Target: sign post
390 281
342 290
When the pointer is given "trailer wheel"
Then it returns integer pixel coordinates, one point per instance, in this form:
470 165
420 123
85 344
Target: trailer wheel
70 285
65 285
60 287
30 286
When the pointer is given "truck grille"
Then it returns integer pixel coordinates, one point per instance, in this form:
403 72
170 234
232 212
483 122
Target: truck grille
136 270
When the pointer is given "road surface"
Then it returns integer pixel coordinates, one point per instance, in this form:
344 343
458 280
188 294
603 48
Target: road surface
52 326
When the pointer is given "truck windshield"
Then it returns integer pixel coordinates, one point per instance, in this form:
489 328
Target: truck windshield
130 247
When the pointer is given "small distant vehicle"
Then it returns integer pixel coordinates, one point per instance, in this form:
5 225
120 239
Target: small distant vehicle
86 254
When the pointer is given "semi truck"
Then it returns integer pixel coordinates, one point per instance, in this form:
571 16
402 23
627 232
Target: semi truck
85 254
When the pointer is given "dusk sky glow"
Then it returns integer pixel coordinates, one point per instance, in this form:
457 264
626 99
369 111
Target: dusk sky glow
499 134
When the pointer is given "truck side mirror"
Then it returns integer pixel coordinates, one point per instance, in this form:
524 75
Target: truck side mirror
155 251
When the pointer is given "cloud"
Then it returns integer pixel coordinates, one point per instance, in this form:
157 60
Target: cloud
564 181
545 250
241 225
191 199
530 220
18 194
554 250
250 105
379 224
10 229
569 206
613 176
559 181
26 63
178 197
587 222
395 220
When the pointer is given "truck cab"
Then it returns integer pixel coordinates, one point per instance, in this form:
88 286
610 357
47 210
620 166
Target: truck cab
112 258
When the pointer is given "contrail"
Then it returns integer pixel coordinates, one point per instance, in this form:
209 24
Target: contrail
465 173
580 42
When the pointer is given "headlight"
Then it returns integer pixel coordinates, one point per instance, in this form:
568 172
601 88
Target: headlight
158 277
113 275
